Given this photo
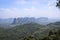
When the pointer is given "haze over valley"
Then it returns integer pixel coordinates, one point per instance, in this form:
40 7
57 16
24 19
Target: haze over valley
29 19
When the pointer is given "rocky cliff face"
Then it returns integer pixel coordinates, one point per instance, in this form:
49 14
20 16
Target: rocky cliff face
25 20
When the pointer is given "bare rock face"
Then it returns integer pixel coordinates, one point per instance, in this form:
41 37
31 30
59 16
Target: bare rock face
42 20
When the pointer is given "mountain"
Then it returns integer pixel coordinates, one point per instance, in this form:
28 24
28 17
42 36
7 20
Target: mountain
11 22
24 20
55 25
6 21
15 31
42 20
19 32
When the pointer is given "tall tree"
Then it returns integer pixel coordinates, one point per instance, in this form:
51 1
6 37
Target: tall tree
58 4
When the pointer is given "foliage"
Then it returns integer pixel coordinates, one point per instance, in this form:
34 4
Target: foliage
31 31
58 4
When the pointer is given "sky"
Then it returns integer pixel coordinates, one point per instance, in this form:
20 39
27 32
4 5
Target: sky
28 8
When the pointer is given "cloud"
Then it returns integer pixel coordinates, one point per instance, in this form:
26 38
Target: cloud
32 2
21 2
35 2
44 8
47 12
6 12
29 12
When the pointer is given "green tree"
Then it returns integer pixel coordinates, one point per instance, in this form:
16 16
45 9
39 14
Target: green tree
58 4
50 33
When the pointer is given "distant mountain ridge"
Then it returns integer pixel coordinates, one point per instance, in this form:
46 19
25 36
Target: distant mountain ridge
6 21
24 20
41 20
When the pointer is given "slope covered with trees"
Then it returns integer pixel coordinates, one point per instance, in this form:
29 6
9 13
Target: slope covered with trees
31 31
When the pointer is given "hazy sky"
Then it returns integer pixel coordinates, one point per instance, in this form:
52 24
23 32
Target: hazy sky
28 8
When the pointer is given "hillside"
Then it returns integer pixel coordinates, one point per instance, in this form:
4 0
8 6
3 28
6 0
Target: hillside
19 32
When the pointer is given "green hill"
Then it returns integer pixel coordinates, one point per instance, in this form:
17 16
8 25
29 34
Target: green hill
20 32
